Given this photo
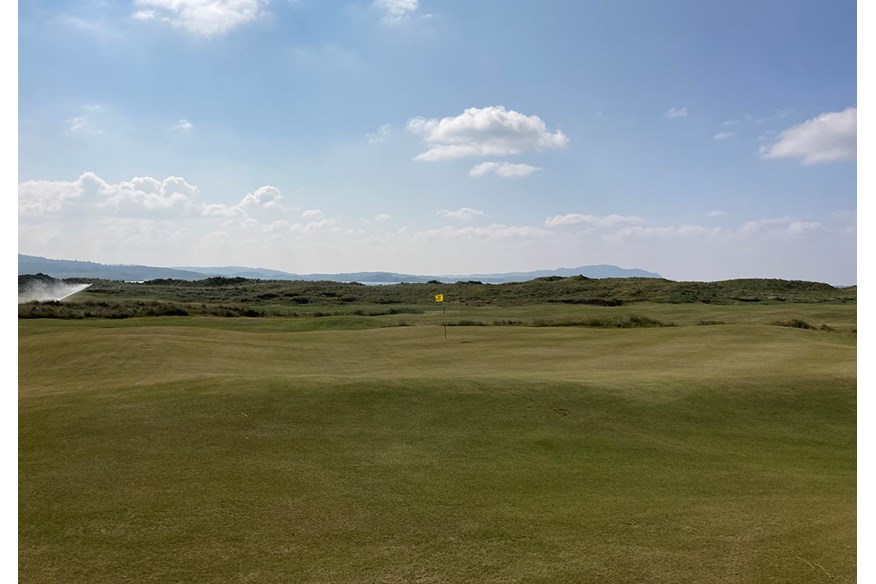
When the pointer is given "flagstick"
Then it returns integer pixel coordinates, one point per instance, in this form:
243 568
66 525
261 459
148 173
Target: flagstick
440 298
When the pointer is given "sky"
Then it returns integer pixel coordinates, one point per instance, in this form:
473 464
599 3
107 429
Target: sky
700 139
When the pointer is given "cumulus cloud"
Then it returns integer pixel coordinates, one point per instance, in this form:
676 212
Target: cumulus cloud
171 198
259 206
723 135
147 193
396 11
464 214
234 234
266 197
582 220
223 210
382 217
829 137
183 125
489 131
673 113
200 17
503 169
38 197
312 214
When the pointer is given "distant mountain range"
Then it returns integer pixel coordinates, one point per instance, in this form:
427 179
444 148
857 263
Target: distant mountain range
78 269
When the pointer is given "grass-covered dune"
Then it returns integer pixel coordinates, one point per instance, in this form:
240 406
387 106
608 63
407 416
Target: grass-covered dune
204 449
255 298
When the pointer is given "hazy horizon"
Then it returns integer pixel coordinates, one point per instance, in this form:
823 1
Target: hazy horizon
839 284
701 141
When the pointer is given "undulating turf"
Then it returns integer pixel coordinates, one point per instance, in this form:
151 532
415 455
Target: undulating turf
248 450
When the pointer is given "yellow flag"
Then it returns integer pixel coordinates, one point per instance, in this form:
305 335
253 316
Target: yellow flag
439 298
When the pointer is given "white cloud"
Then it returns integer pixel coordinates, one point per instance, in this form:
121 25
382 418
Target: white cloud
672 231
147 193
223 210
201 17
489 131
676 113
183 125
715 213
382 217
312 226
464 214
171 198
723 135
82 125
396 11
37 197
144 15
89 120
258 207
274 226
579 219
829 137
266 197
127 197
379 136
312 214
765 136
778 226
495 231
64 219
776 115
799 227
99 28
503 169
77 123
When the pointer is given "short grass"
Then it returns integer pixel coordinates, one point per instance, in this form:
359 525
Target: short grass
197 449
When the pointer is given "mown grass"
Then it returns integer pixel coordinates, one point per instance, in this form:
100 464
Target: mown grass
196 449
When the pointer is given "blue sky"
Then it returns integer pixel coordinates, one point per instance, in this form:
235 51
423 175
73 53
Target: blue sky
699 139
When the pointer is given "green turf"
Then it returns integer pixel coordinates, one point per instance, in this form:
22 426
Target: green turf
198 449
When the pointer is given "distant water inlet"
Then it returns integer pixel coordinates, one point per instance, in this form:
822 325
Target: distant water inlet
43 291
